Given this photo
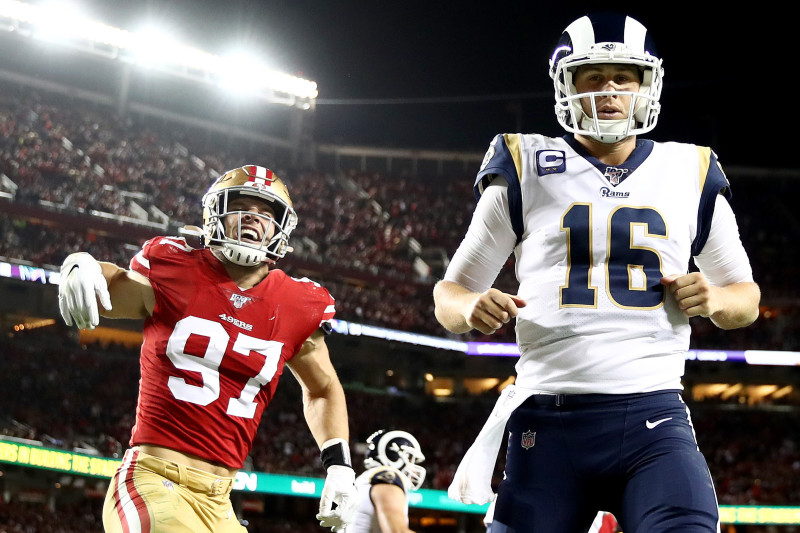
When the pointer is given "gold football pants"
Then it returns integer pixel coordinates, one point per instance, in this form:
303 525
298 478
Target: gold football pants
150 495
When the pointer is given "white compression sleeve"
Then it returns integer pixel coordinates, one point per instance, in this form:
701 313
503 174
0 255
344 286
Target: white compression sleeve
723 259
489 241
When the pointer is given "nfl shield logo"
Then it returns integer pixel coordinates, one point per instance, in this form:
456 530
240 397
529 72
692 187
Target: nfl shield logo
240 300
528 439
615 175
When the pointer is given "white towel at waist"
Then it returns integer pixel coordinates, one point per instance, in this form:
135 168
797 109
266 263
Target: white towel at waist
472 482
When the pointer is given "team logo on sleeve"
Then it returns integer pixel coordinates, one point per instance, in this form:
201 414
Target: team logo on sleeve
385 476
488 157
528 439
550 162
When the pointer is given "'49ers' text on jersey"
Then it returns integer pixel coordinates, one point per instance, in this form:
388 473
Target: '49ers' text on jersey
212 353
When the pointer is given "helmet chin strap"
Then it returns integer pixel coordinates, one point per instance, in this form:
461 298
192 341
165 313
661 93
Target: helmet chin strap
243 255
607 131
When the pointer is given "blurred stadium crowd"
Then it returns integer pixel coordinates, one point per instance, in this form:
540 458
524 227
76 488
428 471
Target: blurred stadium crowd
368 238
360 234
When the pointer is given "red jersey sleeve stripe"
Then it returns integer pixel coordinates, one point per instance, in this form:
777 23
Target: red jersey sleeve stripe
329 313
141 264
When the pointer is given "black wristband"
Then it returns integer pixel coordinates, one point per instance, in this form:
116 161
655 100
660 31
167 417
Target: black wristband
336 454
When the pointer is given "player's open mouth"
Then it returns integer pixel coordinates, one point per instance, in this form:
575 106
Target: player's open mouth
250 235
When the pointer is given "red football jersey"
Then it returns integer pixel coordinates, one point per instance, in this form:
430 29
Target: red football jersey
212 353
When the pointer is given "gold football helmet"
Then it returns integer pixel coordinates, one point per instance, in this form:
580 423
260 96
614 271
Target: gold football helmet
260 183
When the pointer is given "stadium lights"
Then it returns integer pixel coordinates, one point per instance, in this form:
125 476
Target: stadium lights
63 24
34 325
58 20
154 46
241 74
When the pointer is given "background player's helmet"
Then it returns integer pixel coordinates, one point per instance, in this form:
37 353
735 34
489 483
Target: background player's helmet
606 38
398 449
258 182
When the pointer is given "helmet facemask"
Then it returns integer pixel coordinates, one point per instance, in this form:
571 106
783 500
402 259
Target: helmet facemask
410 456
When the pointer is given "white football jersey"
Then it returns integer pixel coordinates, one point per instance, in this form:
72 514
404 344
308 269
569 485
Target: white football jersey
365 520
593 242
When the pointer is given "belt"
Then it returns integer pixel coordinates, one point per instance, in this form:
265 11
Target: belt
191 478
561 400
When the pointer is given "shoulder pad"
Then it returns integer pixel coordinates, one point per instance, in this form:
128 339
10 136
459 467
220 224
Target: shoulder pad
386 475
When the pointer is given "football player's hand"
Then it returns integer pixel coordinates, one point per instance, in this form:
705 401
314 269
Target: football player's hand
338 502
693 292
81 284
492 309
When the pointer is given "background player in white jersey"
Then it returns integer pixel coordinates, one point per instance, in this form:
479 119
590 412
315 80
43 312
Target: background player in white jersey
220 323
393 470
603 226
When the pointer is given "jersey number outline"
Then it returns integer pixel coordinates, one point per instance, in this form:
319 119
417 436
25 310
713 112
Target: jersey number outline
208 365
625 261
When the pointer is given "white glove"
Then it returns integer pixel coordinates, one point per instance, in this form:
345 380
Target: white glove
339 490
81 279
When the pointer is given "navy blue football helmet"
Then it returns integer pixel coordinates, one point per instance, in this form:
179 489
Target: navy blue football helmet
604 39
398 449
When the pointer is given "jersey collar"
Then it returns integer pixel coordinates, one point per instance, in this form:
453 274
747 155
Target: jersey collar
640 153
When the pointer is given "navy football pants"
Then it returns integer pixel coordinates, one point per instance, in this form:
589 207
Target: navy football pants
634 455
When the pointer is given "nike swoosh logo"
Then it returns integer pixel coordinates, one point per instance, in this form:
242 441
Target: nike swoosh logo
651 425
